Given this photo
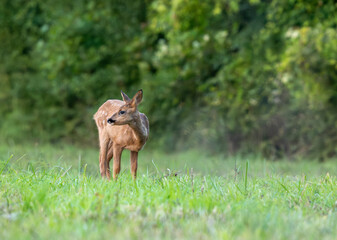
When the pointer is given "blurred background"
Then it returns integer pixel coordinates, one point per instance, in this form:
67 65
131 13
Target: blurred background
223 76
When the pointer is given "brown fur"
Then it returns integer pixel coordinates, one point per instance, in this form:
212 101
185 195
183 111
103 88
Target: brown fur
129 130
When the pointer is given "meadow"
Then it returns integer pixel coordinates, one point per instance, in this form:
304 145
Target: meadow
56 192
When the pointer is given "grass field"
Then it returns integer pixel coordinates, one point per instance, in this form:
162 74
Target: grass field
55 192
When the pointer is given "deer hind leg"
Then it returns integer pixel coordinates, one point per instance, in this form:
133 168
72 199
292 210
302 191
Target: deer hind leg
103 163
134 164
117 153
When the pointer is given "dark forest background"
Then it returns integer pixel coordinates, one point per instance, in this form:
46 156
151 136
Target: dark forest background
224 76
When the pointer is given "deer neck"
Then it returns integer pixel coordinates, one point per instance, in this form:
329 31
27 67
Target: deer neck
139 129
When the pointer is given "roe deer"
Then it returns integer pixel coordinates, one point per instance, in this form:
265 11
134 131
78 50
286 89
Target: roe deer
120 126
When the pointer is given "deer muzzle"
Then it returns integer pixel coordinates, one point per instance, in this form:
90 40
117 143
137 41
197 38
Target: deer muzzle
111 121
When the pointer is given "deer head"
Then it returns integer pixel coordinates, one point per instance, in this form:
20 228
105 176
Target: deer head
128 112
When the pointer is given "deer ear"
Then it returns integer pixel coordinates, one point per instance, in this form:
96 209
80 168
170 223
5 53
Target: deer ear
125 97
137 98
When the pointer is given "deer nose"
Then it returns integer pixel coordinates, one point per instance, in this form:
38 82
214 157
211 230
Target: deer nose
111 121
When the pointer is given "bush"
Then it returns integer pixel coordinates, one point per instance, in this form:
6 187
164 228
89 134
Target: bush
226 76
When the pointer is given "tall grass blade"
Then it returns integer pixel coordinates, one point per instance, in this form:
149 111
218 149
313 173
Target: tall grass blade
3 168
246 176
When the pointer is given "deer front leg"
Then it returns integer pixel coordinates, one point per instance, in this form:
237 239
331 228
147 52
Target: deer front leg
103 163
117 153
134 164
108 159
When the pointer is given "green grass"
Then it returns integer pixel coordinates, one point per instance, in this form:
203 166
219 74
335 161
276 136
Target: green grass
50 192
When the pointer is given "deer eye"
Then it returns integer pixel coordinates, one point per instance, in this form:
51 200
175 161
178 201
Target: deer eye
121 112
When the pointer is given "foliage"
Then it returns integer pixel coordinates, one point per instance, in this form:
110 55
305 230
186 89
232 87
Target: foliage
227 75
